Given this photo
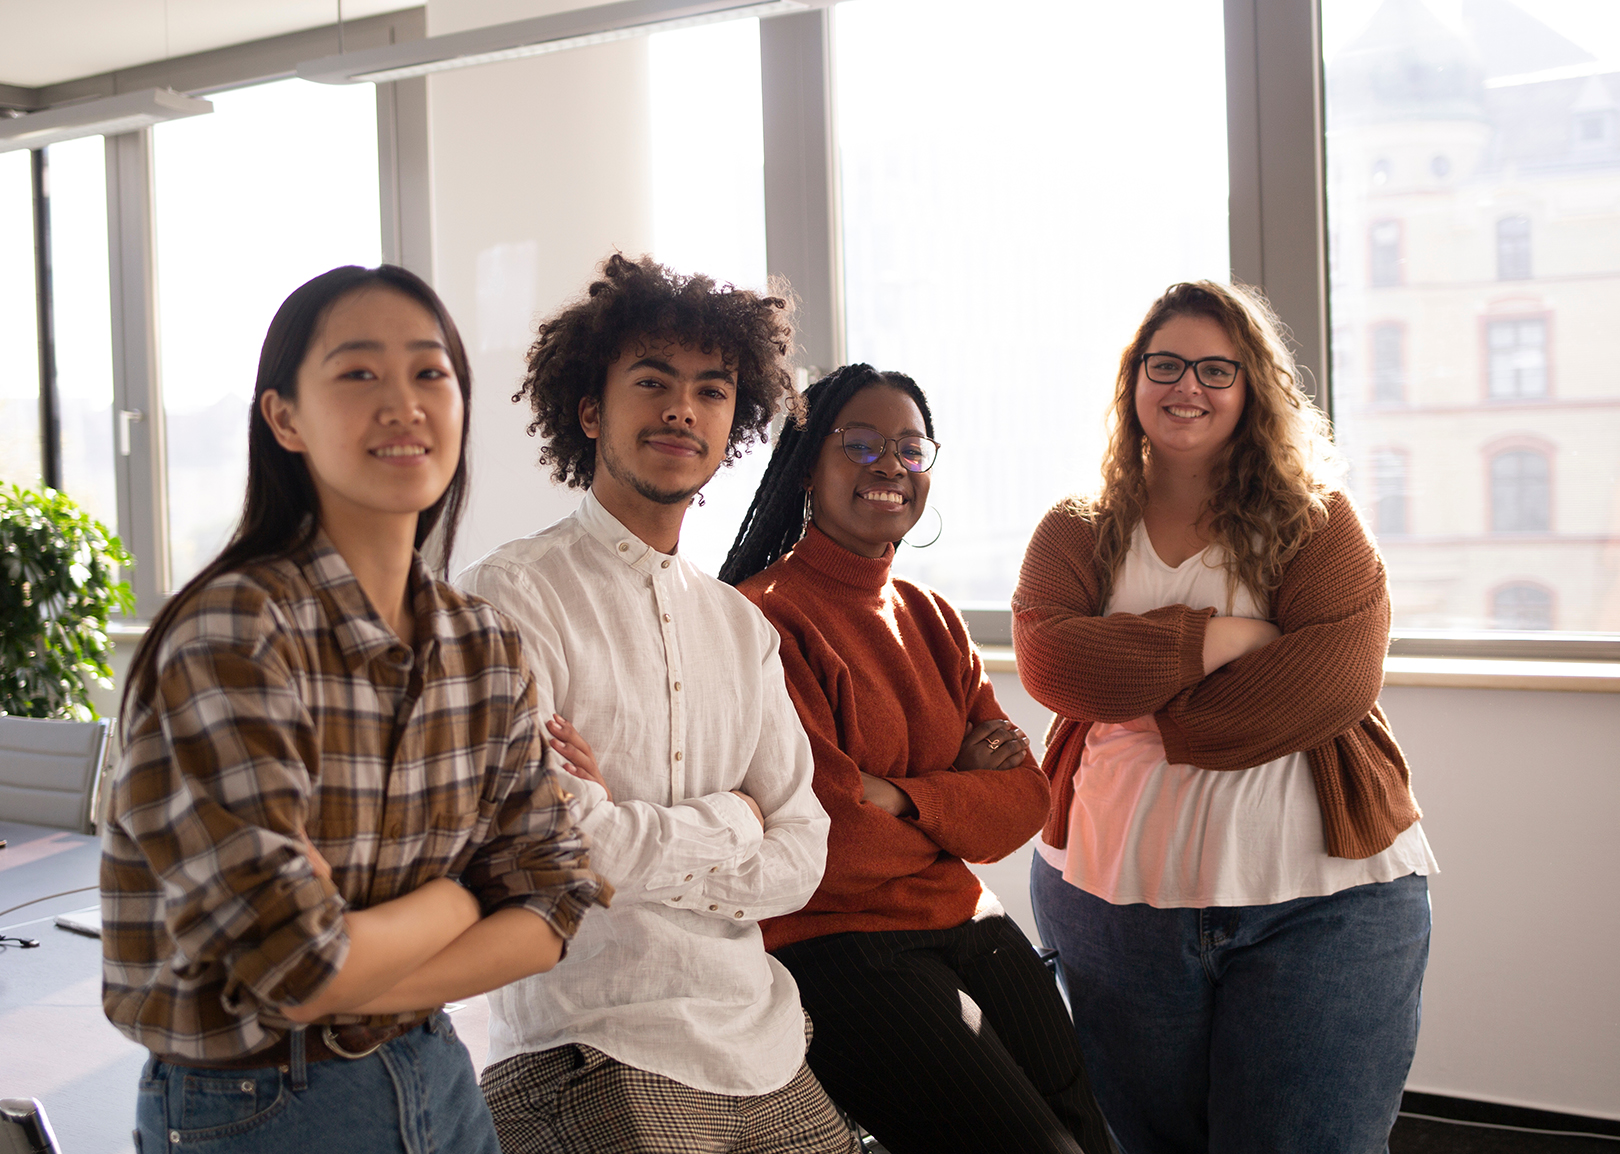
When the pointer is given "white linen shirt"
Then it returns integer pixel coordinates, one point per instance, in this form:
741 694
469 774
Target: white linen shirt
674 680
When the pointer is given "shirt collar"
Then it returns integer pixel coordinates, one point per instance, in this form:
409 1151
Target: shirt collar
821 553
362 635
622 543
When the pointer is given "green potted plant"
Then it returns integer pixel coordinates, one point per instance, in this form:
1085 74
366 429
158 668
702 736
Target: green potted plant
58 585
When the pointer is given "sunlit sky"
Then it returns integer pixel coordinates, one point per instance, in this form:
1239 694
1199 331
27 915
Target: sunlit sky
1593 24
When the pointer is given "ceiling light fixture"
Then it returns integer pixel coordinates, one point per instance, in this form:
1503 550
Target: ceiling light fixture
579 28
106 116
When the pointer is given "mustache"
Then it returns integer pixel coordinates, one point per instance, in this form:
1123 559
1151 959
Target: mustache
665 433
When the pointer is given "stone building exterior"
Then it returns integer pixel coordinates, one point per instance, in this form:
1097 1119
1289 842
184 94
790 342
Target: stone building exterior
1474 232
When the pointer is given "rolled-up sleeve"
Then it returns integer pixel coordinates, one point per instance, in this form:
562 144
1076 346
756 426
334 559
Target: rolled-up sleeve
218 811
535 857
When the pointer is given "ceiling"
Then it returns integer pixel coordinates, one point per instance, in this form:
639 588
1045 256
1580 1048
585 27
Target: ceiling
49 41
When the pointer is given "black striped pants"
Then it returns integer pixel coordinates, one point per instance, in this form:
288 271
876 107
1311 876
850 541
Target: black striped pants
947 1040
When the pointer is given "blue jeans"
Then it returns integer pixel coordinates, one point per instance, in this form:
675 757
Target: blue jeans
415 1095
1244 1029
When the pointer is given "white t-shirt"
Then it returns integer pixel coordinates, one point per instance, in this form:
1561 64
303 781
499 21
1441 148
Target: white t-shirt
1176 836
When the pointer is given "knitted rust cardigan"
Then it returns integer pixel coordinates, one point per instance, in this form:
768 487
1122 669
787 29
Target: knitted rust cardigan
1314 689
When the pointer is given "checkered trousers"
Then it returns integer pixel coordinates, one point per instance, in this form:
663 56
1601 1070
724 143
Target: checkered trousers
576 1100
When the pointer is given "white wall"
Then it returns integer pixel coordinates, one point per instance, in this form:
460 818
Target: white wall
540 169
1520 794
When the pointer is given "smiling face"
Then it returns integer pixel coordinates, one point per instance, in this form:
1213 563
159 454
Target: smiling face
1186 421
378 411
866 508
661 424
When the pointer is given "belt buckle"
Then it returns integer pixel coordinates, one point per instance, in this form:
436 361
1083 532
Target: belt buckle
333 1045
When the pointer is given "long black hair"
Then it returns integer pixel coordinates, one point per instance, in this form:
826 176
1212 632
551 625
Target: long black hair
775 521
280 512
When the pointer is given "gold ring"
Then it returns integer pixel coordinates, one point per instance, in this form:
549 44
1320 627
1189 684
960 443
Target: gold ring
995 743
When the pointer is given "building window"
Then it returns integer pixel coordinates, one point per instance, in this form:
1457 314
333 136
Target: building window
1522 605
1521 492
1516 352
1386 253
1389 492
1513 248
1593 129
1389 363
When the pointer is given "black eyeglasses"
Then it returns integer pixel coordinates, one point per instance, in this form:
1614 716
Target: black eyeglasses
863 446
1212 372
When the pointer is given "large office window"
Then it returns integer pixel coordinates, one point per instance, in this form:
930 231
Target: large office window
19 331
709 216
82 321
277 185
1017 189
1487 320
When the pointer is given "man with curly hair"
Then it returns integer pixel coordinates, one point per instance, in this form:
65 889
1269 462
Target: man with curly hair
666 1027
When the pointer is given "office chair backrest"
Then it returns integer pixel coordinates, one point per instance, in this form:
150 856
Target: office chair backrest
48 771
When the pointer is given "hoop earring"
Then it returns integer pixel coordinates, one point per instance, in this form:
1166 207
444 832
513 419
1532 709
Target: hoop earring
939 522
805 523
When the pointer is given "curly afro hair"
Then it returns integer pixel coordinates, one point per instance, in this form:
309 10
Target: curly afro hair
642 299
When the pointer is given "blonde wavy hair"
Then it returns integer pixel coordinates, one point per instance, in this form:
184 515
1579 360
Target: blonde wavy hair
1273 479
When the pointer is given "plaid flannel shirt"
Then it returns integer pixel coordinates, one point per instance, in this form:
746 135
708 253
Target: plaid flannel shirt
283 704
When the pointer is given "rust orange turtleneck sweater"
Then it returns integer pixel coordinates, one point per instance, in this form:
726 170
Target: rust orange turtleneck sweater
886 680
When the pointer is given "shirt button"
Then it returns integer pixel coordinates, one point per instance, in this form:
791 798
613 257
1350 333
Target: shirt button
174 1137
714 907
714 869
247 1087
666 617
738 914
665 565
688 877
394 829
677 685
624 546
677 755
676 898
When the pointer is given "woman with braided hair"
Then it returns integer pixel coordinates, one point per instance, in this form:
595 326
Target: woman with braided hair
936 1025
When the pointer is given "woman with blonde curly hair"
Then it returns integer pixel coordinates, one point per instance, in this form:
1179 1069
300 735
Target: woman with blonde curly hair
1232 869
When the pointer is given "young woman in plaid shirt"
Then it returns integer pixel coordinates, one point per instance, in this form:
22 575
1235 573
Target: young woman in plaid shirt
330 815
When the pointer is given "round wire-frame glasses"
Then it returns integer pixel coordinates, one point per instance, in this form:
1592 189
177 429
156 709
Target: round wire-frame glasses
863 446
